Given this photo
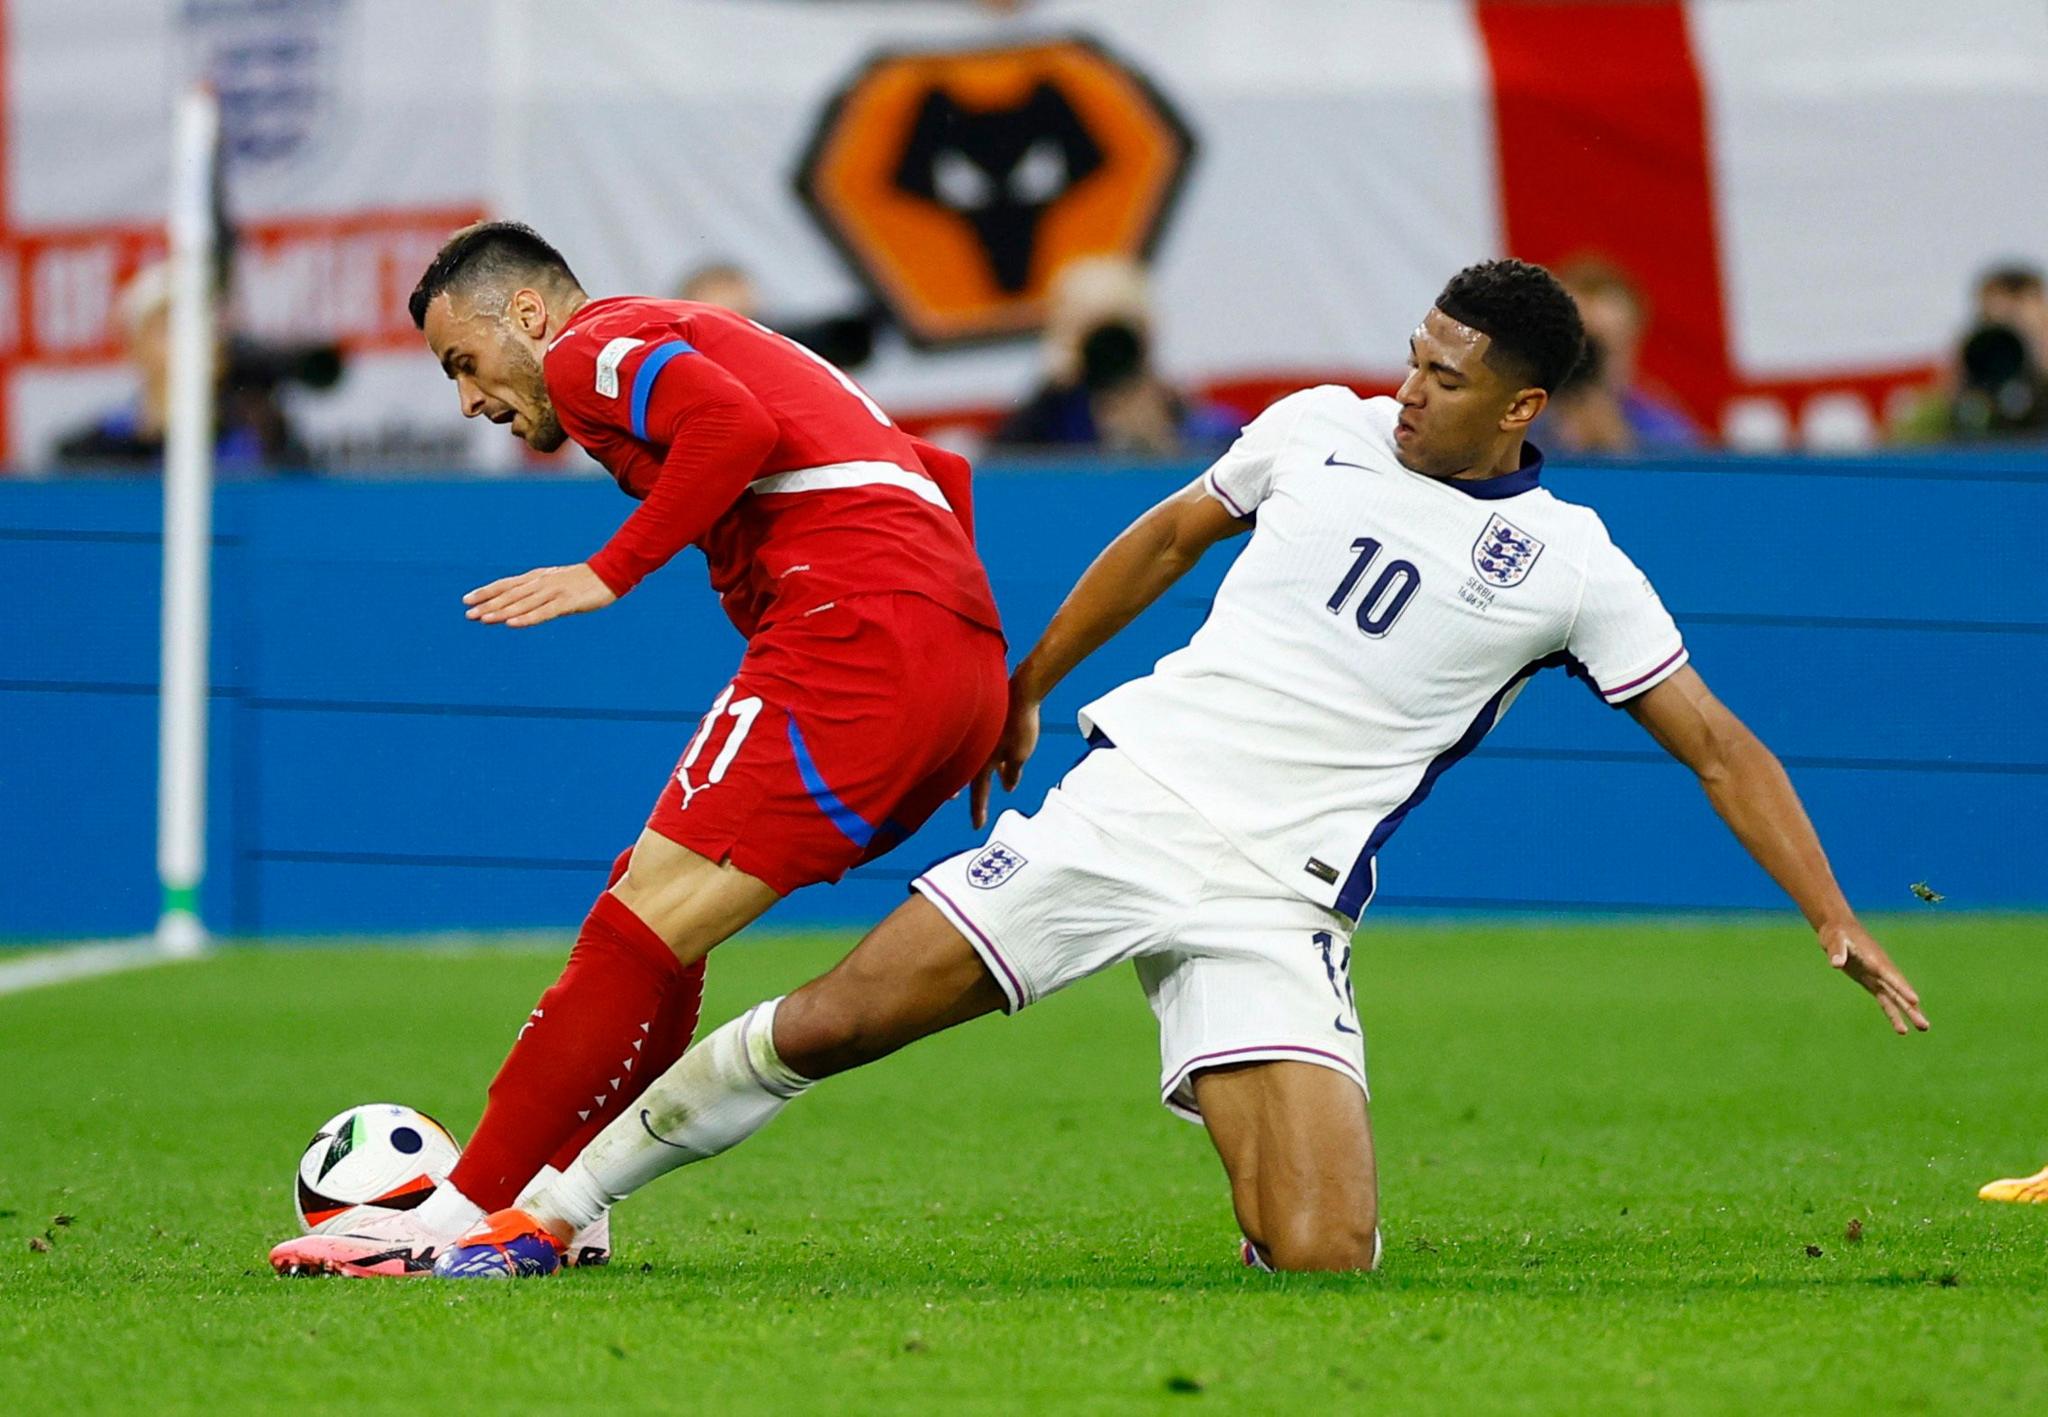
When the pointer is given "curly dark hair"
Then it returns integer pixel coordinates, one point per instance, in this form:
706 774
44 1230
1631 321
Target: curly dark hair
1530 317
488 250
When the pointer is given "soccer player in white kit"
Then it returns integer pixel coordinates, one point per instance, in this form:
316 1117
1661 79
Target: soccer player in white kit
1407 573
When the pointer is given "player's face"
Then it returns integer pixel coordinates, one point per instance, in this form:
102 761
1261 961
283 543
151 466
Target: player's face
1456 408
496 372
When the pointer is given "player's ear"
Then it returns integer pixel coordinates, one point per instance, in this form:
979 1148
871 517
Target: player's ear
529 313
1522 411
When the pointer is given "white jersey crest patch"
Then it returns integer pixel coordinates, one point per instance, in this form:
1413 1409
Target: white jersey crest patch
608 360
1503 553
996 864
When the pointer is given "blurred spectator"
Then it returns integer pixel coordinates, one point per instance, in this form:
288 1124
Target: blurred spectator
1997 382
252 431
1998 391
1585 413
1615 315
725 285
2004 393
1100 389
2015 295
845 340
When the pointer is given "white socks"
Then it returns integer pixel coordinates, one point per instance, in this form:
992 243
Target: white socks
542 1179
716 1095
447 1213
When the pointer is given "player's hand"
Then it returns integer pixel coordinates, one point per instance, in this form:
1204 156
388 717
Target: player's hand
1013 750
1851 950
539 596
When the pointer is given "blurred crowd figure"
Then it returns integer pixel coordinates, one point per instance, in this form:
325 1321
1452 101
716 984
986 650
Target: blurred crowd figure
1100 389
1585 413
1606 407
252 432
1996 384
846 339
724 284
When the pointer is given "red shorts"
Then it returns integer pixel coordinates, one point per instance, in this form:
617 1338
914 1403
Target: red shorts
843 731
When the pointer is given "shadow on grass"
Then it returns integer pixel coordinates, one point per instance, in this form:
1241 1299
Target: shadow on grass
1051 1272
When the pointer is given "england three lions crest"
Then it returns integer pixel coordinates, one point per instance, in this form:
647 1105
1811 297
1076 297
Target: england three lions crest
1503 554
994 866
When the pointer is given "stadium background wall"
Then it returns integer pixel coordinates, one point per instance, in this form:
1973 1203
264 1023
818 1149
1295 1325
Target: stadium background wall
380 764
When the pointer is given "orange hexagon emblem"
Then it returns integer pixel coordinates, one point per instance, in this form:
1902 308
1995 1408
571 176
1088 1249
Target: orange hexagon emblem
959 182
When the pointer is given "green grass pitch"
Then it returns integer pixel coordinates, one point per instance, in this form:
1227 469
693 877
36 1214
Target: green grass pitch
1621 1163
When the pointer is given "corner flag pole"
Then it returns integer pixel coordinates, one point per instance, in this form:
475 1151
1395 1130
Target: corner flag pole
188 527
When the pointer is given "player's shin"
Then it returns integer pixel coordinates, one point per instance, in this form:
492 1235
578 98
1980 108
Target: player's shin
720 1093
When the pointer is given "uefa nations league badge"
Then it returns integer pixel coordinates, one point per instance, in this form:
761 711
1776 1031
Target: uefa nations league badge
995 865
1503 555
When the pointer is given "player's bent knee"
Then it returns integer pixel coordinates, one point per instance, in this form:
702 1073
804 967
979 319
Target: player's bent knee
690 901
913 976
1330 1249
1343 1241
820 1032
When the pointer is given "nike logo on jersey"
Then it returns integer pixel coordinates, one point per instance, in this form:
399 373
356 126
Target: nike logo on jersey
1334 461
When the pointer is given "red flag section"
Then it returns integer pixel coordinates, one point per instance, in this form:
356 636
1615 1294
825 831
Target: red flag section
1604 150
1601 130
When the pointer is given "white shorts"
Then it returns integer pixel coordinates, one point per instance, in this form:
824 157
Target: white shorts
1114 867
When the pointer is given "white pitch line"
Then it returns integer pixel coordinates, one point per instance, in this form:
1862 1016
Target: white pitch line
46 967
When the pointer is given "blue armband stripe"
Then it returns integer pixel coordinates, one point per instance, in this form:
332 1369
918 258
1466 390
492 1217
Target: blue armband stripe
643 382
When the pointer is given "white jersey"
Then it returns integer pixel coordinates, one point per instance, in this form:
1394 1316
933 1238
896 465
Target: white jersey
1372 632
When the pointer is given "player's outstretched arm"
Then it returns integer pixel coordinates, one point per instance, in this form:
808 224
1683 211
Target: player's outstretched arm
1749 789
1133 571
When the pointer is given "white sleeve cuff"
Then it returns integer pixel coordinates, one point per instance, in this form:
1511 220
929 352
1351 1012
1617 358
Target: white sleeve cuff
1215 489
1650 679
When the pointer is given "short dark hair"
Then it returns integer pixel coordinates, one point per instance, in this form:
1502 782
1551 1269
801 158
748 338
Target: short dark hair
2010 278
488 250
1530 317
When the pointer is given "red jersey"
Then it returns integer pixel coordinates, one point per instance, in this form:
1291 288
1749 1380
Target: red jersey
798 489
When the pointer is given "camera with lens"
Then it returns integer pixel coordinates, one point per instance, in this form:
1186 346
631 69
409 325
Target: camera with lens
2003 394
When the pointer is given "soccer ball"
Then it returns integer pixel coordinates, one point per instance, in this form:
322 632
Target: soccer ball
370 1161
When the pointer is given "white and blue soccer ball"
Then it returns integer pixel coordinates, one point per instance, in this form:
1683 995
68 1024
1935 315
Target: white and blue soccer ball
370 1161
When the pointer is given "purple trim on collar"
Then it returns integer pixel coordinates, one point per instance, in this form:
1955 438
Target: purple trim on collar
1508 484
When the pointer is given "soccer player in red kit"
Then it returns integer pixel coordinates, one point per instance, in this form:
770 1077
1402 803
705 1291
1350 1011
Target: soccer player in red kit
872 689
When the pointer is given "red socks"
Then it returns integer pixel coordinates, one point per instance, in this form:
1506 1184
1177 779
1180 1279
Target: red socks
675 1024
623 1010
